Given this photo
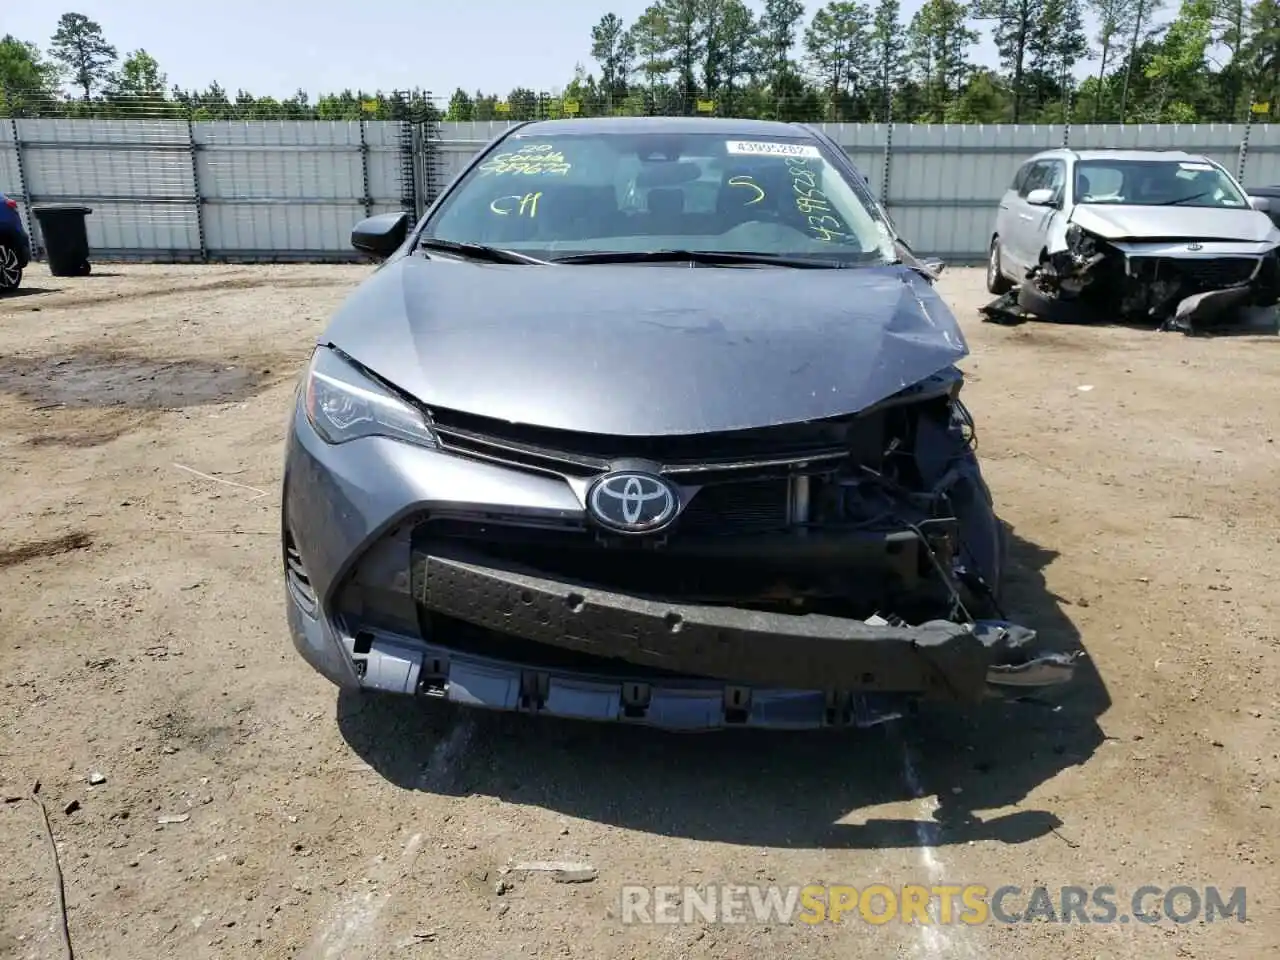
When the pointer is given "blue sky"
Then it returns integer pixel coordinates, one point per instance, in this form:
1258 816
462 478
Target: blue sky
275 46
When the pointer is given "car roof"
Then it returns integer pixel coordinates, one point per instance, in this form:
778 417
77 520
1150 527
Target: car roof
1171 156
719 125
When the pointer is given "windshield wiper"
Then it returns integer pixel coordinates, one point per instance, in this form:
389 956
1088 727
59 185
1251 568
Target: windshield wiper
477 251
1177 200
708 257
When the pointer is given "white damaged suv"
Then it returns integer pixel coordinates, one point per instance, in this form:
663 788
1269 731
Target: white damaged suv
1164 236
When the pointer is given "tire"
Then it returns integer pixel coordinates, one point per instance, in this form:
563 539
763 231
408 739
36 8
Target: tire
997 282
10 271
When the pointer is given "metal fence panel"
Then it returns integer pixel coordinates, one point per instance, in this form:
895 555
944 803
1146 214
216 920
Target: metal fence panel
135 174
1262 156
281 190
293 189
385 171
945 181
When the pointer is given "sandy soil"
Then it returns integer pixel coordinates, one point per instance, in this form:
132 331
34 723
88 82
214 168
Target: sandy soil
142 638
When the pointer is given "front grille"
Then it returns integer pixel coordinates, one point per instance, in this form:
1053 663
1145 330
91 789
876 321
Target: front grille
726 509
691 458
1215 272
859 567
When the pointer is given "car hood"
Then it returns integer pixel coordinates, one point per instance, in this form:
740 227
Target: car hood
631 350
1126 222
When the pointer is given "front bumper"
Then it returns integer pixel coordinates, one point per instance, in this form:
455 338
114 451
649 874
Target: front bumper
662 663
1181 285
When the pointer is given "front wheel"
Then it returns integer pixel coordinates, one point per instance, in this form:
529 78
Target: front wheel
10 268
997 282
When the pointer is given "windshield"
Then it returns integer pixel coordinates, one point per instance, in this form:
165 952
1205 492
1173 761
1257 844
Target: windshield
1156 183
569 194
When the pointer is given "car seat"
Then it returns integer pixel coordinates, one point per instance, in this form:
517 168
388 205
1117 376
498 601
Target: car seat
577 212
666 209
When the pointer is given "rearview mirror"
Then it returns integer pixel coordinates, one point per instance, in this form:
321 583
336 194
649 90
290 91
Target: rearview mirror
1041 197
382 235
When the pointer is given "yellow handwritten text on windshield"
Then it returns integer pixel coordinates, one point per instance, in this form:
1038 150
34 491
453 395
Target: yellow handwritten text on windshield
521 206
536 159
813 203
748 183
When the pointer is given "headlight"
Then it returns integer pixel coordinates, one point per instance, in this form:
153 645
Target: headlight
344 404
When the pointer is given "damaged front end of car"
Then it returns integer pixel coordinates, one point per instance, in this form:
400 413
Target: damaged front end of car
1184 284
819 574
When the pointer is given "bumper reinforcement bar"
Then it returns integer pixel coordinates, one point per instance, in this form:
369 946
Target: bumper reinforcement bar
938 660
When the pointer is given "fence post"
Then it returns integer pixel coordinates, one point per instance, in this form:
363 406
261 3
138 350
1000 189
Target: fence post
410 202
22 184
197 193
1066 116
888 156
433 161
1244 142
364 169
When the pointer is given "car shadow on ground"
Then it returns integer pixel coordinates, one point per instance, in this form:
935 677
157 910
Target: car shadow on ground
1249 322
785 790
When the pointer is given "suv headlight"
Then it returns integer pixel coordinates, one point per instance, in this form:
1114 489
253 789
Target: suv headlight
343 403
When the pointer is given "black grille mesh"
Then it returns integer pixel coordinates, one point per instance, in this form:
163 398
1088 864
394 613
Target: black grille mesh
1217 271
735 508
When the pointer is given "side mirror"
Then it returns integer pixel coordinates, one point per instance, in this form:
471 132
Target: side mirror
1041 197
382 235
934 265
1260 203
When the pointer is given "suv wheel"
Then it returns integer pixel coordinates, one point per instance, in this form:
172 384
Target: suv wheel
10 270
997 282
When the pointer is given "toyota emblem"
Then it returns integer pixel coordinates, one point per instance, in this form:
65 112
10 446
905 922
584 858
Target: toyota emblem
1195 246
631 502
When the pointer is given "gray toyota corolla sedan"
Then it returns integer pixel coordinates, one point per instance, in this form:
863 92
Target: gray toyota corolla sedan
654 421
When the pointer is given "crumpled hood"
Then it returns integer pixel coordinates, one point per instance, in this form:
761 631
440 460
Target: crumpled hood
1123 222
632 350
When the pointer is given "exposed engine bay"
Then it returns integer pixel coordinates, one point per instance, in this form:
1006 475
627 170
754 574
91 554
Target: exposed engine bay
1171 283
882 518
856 517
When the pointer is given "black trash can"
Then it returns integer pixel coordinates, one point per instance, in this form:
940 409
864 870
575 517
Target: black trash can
66 237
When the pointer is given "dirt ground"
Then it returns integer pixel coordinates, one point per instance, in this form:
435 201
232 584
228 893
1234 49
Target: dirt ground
142 640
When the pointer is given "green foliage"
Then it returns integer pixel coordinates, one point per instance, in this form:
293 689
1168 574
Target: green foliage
847 60
81 50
